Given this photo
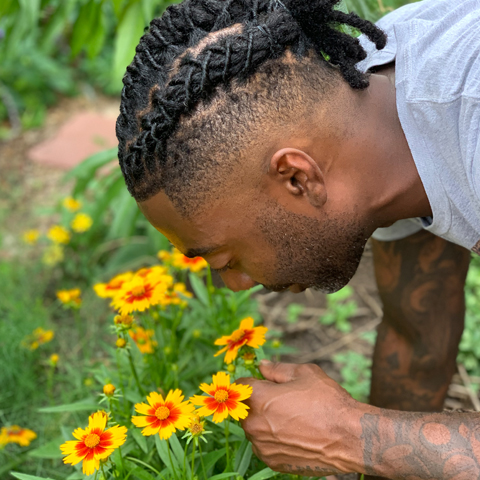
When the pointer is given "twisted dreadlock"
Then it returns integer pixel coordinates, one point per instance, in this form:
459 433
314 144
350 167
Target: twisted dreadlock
172 79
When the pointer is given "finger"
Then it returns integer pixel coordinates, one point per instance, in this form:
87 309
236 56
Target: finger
247 381
278 372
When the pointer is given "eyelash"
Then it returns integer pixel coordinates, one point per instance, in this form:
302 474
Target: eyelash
223 269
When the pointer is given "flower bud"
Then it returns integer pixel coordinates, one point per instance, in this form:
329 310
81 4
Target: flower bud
276 344
109 389
54 358
231 368
120 343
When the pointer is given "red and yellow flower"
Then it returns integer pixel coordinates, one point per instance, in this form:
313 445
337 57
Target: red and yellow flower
224 399
111 288
247 334
16 434
143 339
94 443
179 260
141 293
164 416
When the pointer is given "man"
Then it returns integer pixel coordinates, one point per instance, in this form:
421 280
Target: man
250 135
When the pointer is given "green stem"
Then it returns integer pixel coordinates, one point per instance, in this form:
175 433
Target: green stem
121 461
201 459
170 458
136 460
227 424
193 457
134 371
103 471
185 458
120 380
209 286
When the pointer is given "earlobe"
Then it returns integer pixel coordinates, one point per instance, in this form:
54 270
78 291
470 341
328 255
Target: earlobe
299 175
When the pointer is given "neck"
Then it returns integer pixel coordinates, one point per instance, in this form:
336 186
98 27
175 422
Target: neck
391 185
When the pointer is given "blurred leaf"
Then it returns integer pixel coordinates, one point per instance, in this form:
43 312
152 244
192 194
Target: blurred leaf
263 474
128 35
80 406
24 476
49 450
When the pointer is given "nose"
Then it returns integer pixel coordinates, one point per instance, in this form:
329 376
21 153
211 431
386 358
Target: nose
237 281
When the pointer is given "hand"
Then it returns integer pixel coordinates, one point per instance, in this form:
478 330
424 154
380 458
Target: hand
301 421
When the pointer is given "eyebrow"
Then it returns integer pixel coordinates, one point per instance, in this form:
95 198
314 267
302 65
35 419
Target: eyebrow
201 252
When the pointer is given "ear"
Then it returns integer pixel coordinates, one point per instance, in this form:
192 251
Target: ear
299 174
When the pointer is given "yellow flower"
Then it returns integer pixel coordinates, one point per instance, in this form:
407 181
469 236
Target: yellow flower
58 234
54 358
71 297
164 255
111 288
38 337
179 260
197 426
121 343
53 255
31 236
16 434
125 321
141 293
143 339
163 416
81 223
224 399
71 204
247 334
94 443
109 389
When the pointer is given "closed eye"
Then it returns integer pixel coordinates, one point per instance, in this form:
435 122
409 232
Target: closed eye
223 269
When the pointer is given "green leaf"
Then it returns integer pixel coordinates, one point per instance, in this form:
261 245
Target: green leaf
76 476
199 288
210 459
223 475
49 450
162 449
128 35
85 172
24 476
236 430
140 439
98 31
84 26
243 457
263 474
138 472
81 406
179 453
126 213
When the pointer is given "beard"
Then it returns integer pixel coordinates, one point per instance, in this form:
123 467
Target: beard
321 254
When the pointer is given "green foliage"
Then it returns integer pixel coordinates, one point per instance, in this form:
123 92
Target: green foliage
356 374
51 46
340 309
469 350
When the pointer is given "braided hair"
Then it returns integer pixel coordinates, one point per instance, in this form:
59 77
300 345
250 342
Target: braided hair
171 78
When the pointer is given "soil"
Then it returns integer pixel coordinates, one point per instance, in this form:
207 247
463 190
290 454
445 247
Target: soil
26 189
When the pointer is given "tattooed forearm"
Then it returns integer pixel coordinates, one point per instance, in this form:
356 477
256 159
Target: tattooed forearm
307 470
415 446
421 280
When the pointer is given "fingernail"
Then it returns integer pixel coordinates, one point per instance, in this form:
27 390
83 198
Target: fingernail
265 362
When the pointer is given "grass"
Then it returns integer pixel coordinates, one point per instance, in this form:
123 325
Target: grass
27 302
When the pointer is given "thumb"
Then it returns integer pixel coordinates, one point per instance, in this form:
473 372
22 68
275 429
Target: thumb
278 372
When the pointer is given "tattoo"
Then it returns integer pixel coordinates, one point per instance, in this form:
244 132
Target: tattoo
420 280
416 446
307 470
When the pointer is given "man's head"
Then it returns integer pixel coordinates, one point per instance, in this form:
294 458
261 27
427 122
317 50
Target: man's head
233 131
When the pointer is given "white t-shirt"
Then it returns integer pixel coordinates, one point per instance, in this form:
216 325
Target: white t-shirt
436 48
